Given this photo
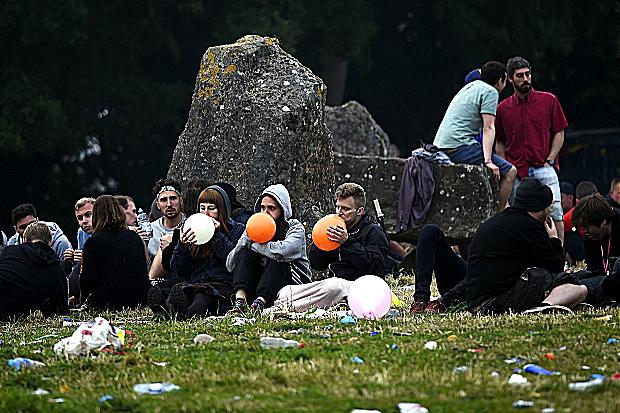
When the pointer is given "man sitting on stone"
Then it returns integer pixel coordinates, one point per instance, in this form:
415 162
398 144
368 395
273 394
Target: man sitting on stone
363 250
434 255
25 214
169 201
474 108
31 277
508 244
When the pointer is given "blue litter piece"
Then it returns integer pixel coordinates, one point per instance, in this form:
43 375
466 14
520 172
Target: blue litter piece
105 398
394 346
373 333
597 377
612 341
357 359
347 319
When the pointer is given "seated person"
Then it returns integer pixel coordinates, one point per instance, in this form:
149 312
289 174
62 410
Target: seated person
573 237
508 244
169 202
208 284
613 197
261 270
601 223
363 250
113 261
435 255
31 277
24 214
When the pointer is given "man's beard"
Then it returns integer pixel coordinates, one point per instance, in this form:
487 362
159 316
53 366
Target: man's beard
524 88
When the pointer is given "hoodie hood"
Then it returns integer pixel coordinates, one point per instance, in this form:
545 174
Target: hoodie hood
221 191
39 253
280 194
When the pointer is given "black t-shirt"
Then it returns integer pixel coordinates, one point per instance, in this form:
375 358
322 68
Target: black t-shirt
598 252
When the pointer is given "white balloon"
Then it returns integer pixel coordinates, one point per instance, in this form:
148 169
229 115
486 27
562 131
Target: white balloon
203 227
370 297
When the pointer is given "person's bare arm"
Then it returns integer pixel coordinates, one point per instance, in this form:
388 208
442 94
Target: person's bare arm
556 145
488 138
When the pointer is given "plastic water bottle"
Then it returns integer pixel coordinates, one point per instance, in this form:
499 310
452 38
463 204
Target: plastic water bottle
154 388
536 369
277 342
144 223
595 381
19 362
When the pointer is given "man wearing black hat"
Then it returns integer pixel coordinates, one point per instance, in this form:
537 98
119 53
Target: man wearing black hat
499 274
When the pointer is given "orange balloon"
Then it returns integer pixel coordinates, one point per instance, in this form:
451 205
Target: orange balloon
319 232
261 227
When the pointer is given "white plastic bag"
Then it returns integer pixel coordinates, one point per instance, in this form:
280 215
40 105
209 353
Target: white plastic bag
92 336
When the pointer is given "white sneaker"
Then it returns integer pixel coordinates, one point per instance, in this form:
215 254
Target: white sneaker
548 308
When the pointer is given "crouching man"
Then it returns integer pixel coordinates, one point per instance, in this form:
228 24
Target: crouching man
500 277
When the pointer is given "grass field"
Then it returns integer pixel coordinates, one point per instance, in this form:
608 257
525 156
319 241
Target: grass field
234 374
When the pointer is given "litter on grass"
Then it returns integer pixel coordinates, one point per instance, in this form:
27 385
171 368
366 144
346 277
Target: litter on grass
411 408
203 339
348 319
430 345
277 342
612 341
20 362
518 380
240 321
40 392
541 371
105 398
460 369
154 388
357 359
523 404
596 380
98 335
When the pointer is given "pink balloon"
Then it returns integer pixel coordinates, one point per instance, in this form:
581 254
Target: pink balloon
370 297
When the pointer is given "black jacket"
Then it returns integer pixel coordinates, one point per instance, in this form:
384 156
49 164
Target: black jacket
31 278
363 253
114 272
597 251
503 248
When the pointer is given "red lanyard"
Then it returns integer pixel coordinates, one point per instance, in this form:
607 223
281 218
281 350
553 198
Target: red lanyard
606 261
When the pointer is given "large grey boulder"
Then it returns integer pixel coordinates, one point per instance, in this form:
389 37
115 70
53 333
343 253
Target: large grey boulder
355 132
257 118
464 195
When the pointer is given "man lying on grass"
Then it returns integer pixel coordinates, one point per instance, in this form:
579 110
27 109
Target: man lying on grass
500 277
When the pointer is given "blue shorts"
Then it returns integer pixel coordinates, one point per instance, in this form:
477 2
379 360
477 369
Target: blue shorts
473 155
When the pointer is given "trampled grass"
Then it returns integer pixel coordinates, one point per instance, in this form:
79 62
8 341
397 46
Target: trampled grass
234 374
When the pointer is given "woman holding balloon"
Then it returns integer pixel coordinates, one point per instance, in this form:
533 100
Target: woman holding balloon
270 254
200 257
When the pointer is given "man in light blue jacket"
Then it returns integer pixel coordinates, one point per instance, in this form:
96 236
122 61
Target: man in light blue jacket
260 270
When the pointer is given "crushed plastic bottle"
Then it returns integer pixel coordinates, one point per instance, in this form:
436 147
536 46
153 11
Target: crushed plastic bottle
277 342
595 381
536 369
144 223
523 404
19 362
348 320
154 388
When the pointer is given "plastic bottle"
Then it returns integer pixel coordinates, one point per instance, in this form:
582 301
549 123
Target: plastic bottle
154 388
277 342
19 362
536 369
144 223
595 381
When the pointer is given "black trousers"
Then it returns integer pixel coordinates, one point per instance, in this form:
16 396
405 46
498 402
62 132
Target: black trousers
260 276
434 254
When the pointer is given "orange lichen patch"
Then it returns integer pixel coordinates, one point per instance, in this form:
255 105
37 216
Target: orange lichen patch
271 40
230 69
208 81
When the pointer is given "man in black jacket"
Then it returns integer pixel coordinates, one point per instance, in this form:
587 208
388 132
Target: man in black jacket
499 275
31 277
363 250
363 243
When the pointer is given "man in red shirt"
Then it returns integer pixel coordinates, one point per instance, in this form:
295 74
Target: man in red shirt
530 132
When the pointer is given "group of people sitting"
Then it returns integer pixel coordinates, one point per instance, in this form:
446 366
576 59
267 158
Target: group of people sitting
122 261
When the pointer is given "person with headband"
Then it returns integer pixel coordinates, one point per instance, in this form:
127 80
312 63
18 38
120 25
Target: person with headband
170 202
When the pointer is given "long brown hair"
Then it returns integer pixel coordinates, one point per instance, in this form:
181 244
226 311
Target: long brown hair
108 215
211 196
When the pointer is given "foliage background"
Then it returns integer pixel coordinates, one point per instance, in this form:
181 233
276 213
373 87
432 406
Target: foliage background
93 95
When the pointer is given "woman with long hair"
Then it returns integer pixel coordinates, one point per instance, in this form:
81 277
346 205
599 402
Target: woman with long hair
208 288
114 272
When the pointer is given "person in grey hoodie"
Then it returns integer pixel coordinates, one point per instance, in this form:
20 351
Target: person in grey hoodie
261 270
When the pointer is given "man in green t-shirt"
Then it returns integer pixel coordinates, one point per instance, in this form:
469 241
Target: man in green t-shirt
473 108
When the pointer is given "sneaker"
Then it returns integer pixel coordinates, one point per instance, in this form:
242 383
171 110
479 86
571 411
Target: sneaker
418 307
257 306
435 306
240 307
583 307
545 308
155 300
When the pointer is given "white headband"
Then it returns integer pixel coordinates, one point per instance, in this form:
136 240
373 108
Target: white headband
168 188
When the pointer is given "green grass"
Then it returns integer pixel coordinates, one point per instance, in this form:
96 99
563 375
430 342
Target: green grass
234 374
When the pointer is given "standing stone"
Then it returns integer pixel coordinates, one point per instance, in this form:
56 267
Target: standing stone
355 132
257 118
